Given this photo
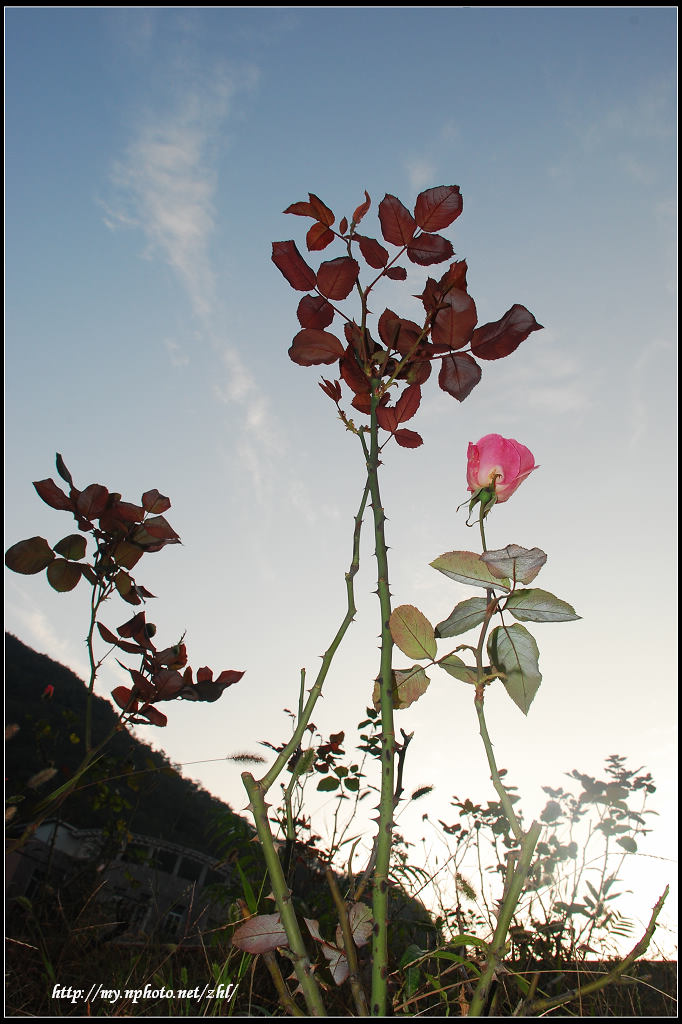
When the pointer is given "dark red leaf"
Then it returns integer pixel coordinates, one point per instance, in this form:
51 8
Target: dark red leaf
159 527
142 686
454 277
387 418
92 501
363 403
397 333
154 501
361 210
336 278
343 226
63 471
53 496
301 210
459 375
291 264
408 403
331 388
397 223
437 207
29 556
318 237
314 311
127 555
353 374
311 347
123 697
428 249
228 677
135 628
500 339
153 715
408 438
118 515
168 683
126 587
396 273
373 252
107 635
322 212
62 575
453 325
154 533
417 371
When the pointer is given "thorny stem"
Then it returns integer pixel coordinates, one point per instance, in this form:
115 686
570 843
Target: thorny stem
301 961
257 790
388 747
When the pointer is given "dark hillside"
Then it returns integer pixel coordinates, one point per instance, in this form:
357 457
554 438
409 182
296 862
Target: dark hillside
134 785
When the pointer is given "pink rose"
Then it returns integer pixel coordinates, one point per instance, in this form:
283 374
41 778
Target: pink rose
498 464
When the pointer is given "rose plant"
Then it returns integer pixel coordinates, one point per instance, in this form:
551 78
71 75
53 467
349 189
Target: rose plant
382 368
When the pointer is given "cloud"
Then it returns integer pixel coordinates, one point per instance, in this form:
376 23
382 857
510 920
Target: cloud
421 173
166 186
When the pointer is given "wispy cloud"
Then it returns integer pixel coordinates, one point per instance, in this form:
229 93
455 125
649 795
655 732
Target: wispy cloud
420 173
166 186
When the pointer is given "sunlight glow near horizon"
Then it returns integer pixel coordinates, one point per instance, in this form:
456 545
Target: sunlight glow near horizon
149 157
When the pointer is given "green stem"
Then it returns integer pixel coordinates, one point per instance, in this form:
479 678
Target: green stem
301 961
517 871
388 748
515 887
257 790
507 805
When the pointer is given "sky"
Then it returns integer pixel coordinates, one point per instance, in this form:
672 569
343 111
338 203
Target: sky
150 154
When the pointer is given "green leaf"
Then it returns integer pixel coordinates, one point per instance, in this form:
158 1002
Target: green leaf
72 547
329 784
352 784
519 564
454 666
63 575
464 616
412 632
628 843
29 556
467 567
539 606
513 650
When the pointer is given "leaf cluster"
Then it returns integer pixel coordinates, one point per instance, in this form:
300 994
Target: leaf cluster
512 651
403 352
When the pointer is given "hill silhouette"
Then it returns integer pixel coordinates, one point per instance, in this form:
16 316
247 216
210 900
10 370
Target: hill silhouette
134 788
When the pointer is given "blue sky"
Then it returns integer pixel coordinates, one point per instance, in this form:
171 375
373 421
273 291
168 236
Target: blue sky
149 156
